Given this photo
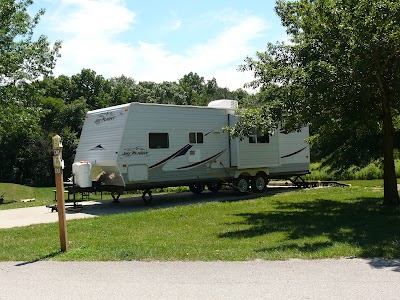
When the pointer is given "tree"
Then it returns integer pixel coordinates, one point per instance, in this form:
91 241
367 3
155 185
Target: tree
21 57
122 89
340 73
94 88
55 87
171 93
193 85
18 128
23 60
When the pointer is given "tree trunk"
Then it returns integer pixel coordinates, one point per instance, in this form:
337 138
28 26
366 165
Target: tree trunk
391 195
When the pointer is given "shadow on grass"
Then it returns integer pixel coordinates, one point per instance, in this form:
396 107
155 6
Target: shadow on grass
361 223
51 255
162 201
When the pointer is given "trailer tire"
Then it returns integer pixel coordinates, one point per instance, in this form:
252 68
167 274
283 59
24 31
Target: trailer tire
196 188
214 187
259 183
241 184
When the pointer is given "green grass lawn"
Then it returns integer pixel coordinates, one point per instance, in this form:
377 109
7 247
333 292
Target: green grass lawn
310 224
42 196
13 193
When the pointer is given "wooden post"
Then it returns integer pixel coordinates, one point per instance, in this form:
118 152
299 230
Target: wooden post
58 164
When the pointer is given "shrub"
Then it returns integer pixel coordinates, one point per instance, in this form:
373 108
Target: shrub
372 171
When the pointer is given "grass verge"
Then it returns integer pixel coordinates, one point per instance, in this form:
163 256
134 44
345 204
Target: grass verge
42 196
308 224
14 193
370 172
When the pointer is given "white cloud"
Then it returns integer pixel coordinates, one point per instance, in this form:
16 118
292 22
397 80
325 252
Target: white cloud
91 30
94 17
219 57
229 46
176 25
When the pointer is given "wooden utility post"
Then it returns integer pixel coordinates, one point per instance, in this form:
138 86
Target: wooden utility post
58 164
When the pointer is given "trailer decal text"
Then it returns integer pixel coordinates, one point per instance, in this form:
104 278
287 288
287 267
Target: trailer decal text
135 151
104 117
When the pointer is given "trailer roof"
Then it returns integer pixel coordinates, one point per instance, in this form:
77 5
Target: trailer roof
153 104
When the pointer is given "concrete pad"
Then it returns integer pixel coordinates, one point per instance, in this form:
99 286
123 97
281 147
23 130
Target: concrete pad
34 215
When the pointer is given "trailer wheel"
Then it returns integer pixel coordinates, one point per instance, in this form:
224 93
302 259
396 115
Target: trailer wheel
214 187
259 183
196 188
241 184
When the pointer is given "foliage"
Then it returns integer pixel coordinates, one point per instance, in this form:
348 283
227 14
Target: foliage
339 74
372 171
307 224
22 61
22 58
19 126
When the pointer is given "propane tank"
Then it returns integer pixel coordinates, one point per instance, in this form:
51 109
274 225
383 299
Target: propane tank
82 172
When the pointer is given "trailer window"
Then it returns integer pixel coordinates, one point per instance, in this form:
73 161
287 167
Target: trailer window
259 139
196 138
158 140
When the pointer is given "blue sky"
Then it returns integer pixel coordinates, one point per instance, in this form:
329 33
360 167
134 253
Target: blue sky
160 40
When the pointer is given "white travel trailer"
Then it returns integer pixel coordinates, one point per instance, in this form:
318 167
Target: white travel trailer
140 146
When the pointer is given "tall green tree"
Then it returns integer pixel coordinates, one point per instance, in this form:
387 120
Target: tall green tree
55 87
123 89
21 57
92 87
23 60
193 85
340 73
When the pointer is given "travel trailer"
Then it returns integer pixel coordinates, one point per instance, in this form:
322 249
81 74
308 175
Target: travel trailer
140 146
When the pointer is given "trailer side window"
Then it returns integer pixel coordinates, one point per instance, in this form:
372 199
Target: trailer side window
158 140
196 138
259 139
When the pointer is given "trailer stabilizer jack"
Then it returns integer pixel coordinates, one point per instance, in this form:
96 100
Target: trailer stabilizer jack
115 196
147 199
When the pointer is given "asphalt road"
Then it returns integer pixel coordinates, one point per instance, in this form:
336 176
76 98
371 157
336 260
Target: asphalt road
293 279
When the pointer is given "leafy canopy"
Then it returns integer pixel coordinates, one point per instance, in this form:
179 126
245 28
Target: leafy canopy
340 74
21 57
343 58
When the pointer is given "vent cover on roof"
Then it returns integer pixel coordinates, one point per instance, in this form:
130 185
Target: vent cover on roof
224 103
